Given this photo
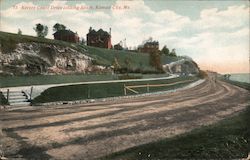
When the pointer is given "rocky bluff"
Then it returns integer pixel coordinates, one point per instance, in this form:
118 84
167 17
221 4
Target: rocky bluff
38 58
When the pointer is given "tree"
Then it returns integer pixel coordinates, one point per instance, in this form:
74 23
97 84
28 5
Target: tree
165 50
41 30
127 62
19 32
116 64
58 27
155 60
173 53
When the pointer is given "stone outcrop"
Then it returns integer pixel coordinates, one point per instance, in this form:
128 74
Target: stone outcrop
37 58
183 67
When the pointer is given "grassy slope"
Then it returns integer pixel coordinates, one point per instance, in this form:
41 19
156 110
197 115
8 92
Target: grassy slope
102 56
12 81
227 139
239 84
80 92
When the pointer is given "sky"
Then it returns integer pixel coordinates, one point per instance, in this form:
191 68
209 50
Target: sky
214 33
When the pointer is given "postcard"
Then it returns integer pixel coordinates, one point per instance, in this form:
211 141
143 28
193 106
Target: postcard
124 79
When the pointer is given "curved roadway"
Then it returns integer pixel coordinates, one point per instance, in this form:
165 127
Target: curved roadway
88 131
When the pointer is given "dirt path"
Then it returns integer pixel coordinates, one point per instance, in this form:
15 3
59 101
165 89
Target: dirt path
89 131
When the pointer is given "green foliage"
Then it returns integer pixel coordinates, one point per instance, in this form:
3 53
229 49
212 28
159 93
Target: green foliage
19 32
202 74
58 27
8 45
155 61
41 30
3 100
173 53
128 63
165 51
116 64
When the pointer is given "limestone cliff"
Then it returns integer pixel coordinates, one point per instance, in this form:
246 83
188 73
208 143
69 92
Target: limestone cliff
40 58
184 66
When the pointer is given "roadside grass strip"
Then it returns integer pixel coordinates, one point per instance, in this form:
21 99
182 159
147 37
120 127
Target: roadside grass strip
103 90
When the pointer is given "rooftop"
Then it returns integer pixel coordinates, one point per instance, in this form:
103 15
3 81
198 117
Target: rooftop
64 32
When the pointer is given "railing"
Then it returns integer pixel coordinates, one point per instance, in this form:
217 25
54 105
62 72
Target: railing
15 96
132 87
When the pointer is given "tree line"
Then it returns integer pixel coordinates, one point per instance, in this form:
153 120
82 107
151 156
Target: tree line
42 30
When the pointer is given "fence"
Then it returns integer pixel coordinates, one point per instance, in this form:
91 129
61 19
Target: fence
132 87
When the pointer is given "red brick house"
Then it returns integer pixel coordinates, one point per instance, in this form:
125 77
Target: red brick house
149 47
66 35
99 38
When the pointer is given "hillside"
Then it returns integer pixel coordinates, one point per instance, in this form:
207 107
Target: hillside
25 55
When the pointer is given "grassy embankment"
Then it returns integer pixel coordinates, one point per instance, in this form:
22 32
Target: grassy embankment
227 139
90 91
101 56
13 81
239 84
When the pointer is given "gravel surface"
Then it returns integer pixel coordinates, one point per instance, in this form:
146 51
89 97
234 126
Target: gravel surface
89 131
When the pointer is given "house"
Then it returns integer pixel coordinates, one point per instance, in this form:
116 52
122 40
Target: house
118 46
99 38
149 47
66 35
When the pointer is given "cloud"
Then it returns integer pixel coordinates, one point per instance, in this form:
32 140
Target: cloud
233 17
21 10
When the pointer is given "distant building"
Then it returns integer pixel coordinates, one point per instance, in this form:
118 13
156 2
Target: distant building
149 47
99 38
118 46
66 35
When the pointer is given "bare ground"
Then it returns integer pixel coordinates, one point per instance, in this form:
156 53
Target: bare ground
89 131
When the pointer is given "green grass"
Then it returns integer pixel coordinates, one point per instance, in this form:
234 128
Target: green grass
88 91
227 139
239 84
13 81
138 60
8 40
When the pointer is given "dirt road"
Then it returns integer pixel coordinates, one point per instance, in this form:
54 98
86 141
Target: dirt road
89 131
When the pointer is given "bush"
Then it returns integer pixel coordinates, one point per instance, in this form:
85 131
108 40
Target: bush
8 45
3 100
202 74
